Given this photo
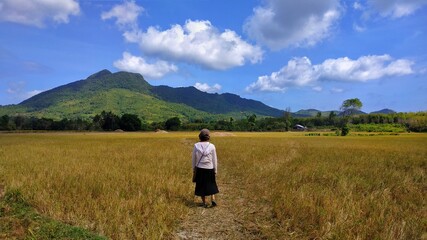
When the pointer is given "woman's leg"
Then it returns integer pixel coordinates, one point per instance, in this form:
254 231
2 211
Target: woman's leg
213 200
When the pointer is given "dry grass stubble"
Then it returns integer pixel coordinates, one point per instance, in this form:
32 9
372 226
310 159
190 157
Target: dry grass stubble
343 188
273 185
124 186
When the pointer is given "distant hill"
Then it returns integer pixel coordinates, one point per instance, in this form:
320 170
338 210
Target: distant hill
125 92
306 113
312 113
384 111
353 112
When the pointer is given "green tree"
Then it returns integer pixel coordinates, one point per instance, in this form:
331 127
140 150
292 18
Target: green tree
4 122
331 118
19 122
173 124
230 126
345 130
251 122
252 118
351 106
108 121
287 116
130 122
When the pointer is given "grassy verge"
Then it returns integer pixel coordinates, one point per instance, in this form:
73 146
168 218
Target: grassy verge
18 220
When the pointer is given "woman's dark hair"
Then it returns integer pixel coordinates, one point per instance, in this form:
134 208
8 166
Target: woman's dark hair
204 135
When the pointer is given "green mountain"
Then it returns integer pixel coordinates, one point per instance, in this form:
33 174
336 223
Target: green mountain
125 92
214 103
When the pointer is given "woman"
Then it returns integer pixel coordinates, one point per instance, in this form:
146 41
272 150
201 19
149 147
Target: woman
205 165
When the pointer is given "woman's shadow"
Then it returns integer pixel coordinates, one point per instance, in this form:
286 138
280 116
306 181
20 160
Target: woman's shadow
189 202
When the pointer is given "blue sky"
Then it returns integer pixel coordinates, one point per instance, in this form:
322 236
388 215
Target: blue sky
288 54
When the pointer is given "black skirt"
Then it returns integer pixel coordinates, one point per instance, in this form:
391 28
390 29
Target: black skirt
205 182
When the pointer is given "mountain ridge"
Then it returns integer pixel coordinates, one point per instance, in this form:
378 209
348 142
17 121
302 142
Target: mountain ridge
124 92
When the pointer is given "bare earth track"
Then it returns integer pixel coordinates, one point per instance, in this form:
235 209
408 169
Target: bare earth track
237 216
226 221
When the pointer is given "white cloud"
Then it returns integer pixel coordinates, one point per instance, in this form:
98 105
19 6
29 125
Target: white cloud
317 89
280 24
396 8
299 72
16 87
126 14
11 91
358 28
17 90
197 42
204 87
357 6
32 93
38 12
136 64
23 95
337 90
364 68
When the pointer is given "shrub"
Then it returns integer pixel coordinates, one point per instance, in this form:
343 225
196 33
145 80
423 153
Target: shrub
345 130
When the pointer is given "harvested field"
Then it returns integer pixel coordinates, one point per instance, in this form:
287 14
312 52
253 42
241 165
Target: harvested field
272 185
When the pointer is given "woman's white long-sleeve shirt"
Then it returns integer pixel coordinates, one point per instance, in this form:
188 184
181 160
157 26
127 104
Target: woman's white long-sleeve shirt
204 156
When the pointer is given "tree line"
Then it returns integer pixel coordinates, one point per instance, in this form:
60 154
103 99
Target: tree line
108 121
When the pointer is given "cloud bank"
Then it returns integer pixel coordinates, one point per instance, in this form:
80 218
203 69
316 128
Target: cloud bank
38 12
300 72
280 24
198 43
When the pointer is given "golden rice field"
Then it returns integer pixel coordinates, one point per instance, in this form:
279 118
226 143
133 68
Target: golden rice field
138 185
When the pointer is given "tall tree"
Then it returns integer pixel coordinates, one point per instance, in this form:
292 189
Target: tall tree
108 121
351 106
287 118
173 124
130 122
4 122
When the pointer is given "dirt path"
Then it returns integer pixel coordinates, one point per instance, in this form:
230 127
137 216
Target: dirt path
226 221
235 217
